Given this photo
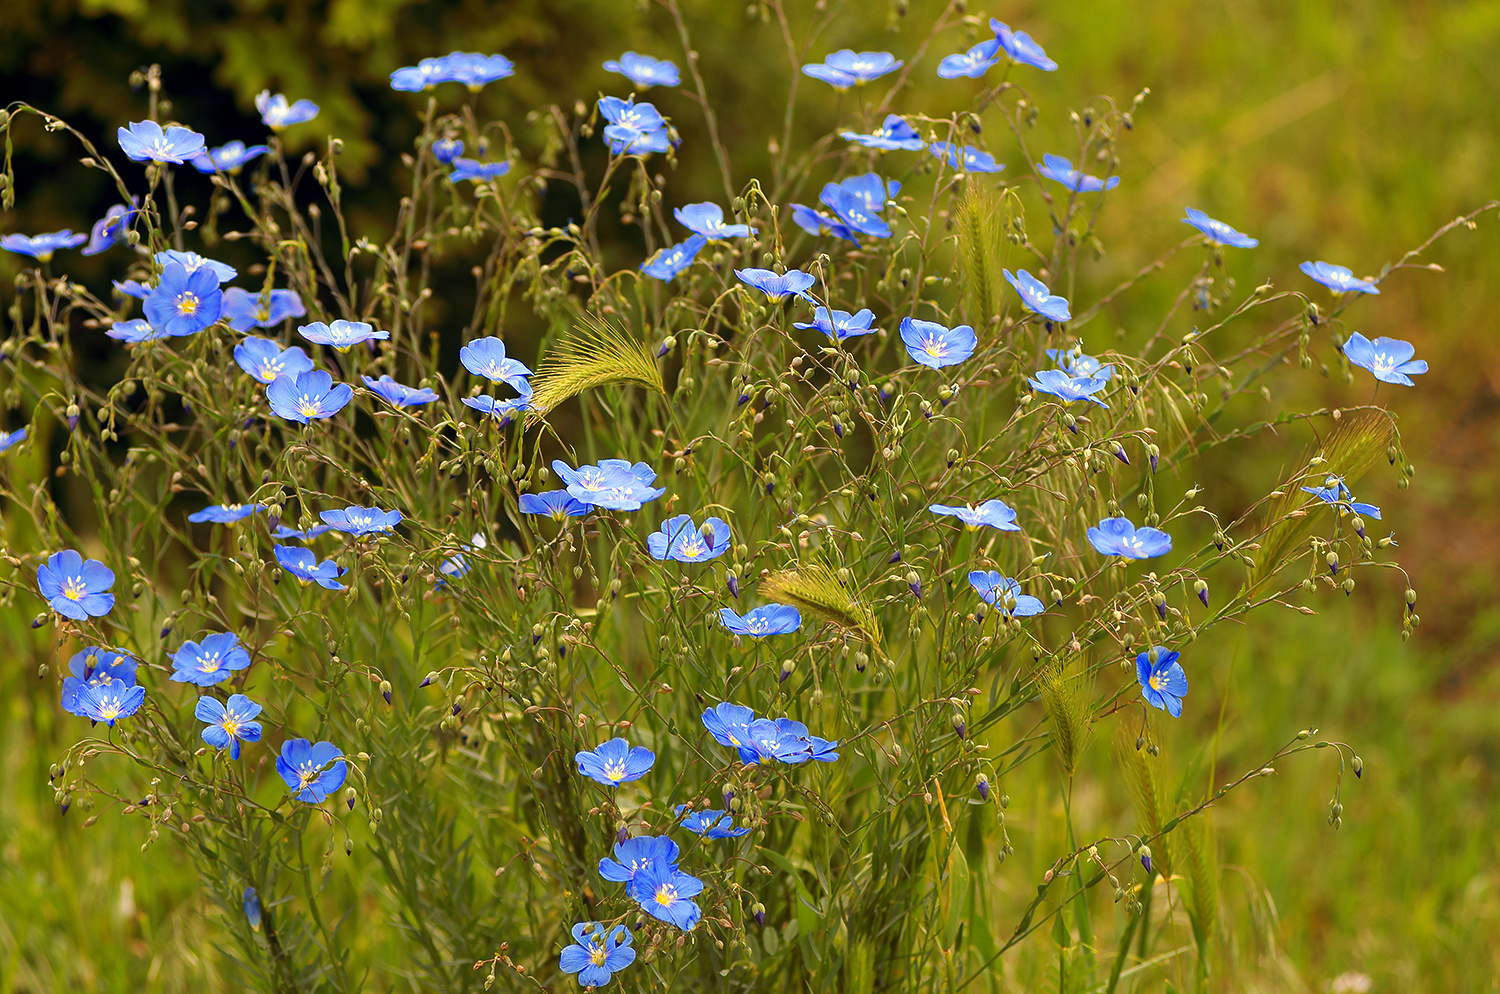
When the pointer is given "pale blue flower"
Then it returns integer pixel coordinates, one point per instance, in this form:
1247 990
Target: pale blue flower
974 63
1339 279
794 283
1005 594
993 513
669 263
1061 170
245 310
935 345
41 247
1163 682
341 335
644 71
968 160
680 539
192 262
474 70
135 331
399 394
1217 232
1035 296
1119 537
145 141
1389 359
760 622
360 521
265 360
707 219
846 68
230 157
477 172
1019 46
486 357
894 134
276 113
840 325
1066 388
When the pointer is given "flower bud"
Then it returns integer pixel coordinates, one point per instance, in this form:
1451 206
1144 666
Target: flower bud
1145 852
428 679
982 784
1120 455
915 583
1332 559
1200 587
1358 765
732 584
350 796
385 690
957 720
787 668
759 911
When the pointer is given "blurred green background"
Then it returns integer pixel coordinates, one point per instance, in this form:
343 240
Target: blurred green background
1329 129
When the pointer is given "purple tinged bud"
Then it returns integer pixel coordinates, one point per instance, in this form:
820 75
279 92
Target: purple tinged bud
982 784
665 348
1120 455
744 399
1161 610
1146 859
770 488
838 429
1201 588
620 836
73 420
895 556
760 916
1154 459
732 584
67 804
427 680
39 620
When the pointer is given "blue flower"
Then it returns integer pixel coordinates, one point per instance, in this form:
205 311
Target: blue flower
74 587
302 564
974 63
839 325
132 288
356 520
109 702
109 229
615 762
41 247
341 335
399 394
486 357
265 360
894 134
1004 593
637 854
1163 683
707 219
1217 232
192 262
1061 170
276 113
1066 388
94 667
854 212
184 303
301 766
1119 537
445 150
1339 279
785 741
251 903
669 263
422 76
935 345
475 70
303 397
871 189
596 955
504 411
476 171
226 514
284 533
633 128
644 71
245 310
1019 46
135 331
729 724
666 893
558 504
230 157
969 160
1078 364
228 724
994 513
711 824
813 222
212 661
1336 492
678 538
846 68
1035 296
1390 359
7 439
768 619
794 284
145 141
614 484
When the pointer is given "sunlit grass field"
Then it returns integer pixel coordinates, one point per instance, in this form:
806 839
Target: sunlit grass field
1333 131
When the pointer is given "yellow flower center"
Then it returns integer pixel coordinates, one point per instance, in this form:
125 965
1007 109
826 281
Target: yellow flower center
306 776
230 724
694 547
935 348
187 304
110 709
615 770
596 955
666 895
307 407
73 589
1156 681
209 664
270 369
262 314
